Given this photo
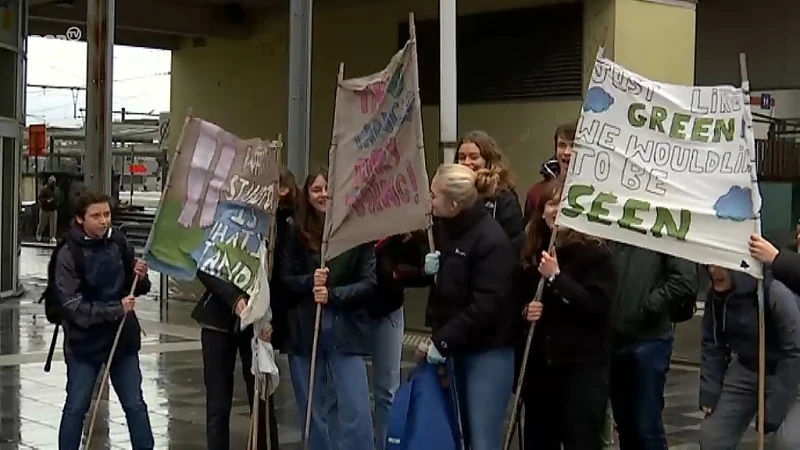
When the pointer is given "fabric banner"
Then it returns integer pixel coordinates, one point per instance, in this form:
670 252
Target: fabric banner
665 167
217 208
377 179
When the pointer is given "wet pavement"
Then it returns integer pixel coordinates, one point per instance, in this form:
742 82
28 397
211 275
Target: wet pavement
31 400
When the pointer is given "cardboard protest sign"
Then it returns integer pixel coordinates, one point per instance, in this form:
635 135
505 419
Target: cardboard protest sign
664 167
377 179
217 207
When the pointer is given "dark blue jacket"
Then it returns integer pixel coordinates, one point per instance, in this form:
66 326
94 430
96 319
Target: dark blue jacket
730 329
352 282
92 309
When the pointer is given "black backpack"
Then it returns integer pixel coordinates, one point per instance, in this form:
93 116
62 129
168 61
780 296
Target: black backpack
51 306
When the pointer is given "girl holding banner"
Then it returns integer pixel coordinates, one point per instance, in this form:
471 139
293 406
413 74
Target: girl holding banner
471 307
785 264
565 392
343 288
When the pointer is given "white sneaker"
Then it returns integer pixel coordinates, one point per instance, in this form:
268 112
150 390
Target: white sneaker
52 240
38 238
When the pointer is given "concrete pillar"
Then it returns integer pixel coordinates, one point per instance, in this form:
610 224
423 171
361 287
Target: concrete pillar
13 26
99 79
300 43
655 38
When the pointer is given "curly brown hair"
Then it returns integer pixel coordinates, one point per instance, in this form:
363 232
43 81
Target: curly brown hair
496 161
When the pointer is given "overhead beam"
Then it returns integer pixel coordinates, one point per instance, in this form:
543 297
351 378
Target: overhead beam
156 16
38 27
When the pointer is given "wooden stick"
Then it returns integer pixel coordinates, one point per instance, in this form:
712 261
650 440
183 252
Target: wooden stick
267 414
761 307
107 371
323 252
256 407
528 342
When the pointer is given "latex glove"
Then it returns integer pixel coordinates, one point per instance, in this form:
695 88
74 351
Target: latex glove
433 356
432 263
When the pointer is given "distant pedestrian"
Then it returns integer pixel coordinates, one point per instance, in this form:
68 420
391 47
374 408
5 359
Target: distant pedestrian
729 361
92 292
48 210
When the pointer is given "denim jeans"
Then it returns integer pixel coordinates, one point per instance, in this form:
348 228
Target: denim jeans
126 377
638 378
484 382
341 413
387 349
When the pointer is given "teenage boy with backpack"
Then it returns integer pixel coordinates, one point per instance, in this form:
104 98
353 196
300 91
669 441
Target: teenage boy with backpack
729 361
89 281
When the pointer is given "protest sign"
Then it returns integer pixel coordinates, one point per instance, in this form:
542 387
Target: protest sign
217 208
377 179
664 167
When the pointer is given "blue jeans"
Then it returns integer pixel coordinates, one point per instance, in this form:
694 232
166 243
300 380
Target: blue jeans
387 350
484 382
126 377
341 413
638 378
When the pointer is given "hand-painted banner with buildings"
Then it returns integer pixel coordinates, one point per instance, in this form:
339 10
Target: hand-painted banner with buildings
216 210
665 167
377 179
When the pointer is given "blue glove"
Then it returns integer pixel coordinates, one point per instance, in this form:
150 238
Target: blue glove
432 263
433 356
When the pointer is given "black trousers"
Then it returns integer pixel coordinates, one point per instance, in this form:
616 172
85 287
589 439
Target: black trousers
219 364
565 406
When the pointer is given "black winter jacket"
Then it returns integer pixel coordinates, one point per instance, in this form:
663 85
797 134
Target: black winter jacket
505 209
472 306
216 307
279 297
575 327
786 269
351 283
399 262
91 306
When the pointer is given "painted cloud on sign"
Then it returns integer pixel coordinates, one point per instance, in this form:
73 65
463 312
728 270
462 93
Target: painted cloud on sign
597 100
736 204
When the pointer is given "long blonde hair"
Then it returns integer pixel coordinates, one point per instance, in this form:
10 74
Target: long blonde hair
458 184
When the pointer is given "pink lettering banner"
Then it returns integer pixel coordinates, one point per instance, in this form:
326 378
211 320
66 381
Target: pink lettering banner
378 181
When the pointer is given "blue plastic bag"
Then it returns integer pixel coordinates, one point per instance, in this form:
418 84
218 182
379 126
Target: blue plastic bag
422 415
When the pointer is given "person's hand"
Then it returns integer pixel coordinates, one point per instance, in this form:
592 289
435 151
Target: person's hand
241 304
321 295
321 276
432 263
140 268
128 303
266 333
433 356
548 265
762 249
533 311
706 410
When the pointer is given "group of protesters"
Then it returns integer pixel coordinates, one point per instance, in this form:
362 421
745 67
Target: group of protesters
600 351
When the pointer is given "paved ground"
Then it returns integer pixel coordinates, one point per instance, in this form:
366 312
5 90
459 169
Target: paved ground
31 400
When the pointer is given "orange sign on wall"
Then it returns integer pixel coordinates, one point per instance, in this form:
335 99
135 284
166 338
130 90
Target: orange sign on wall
138 169
37 140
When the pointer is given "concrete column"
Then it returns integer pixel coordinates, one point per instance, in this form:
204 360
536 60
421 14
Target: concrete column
655 38
99 79
300 43
448 91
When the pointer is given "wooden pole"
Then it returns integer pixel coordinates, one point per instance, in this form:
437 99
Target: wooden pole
107 371
761 307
